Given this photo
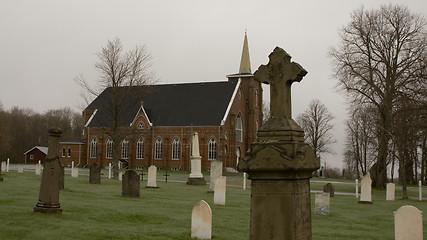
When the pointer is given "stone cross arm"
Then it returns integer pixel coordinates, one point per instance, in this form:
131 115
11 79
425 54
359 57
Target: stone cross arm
280 73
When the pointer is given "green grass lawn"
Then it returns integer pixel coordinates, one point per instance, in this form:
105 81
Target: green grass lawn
100 212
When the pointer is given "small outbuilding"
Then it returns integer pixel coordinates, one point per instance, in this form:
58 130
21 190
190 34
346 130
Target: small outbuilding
36 154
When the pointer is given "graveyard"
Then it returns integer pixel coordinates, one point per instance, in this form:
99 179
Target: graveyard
99 211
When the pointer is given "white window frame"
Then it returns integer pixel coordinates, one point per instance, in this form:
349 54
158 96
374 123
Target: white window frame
212 149
158 145
109 149
176 147
93 147
140 148
239 128
125 149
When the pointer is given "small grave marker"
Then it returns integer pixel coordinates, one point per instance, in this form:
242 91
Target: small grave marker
216 172
201 221
131 184
220 190
391 188
20 168
321 203
365 192
152 175
95 174
408 223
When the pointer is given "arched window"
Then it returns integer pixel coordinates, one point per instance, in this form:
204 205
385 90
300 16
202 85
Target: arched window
125 149
109 149
69 152
93 147
140 148
176 147
239 129
158 149
63 152
140 125
212 149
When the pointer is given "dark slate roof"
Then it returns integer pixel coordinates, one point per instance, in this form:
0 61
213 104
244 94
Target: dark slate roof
197 104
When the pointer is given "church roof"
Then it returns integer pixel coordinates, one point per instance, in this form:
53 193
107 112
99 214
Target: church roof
197 104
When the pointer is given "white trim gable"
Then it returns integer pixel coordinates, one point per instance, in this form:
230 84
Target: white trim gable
91 117
236 90
145 115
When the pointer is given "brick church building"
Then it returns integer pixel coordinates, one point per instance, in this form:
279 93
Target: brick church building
159 121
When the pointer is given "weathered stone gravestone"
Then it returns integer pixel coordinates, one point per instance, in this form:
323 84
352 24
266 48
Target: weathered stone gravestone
152 177
220 190
391 189
130 184
3 166
20 168
74 170
61 175
120 176
201 221
365 190
1 169
196 176
49 188
216 172
95 174
329 188
280 163
321 203
38 169
408 223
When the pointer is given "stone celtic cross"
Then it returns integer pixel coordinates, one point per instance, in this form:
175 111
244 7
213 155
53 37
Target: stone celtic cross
280 73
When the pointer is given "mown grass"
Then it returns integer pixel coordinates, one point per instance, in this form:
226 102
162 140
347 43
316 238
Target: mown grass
100 212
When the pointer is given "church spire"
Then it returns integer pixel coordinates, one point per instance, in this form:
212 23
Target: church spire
245 62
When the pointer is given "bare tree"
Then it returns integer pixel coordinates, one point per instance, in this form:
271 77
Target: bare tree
382 53
119 69
317 126
361 139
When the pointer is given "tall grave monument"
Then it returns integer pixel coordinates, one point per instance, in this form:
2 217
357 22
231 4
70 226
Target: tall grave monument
196 176
49 188
280 163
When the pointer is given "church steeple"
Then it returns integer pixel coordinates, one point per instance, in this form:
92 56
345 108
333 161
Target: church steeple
245 62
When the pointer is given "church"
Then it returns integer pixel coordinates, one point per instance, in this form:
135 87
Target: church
160 120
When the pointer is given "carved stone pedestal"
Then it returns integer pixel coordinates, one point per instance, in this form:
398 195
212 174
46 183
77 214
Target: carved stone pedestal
280 164
48 202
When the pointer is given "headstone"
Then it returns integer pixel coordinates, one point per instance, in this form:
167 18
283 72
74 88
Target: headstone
3 166
357 188
391 188
48 202
20 168
152 177
38 169
109 171
408 223
120 176
321 203
365 191
420 191
216 172
329 188
201 221
61 175
130 184
196 176
244 181
220 190
280 164
1 169
95 174
7 165
75 172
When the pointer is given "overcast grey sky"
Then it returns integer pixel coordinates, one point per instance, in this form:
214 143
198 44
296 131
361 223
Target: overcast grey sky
46 43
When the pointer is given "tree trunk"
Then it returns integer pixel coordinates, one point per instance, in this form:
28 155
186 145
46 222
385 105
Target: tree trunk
402 175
